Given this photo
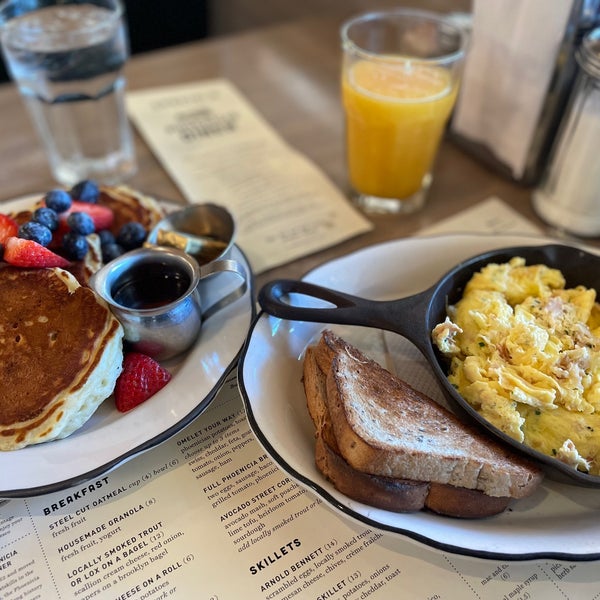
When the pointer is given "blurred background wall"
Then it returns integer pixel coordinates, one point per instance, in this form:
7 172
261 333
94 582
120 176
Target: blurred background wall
228 16
155 24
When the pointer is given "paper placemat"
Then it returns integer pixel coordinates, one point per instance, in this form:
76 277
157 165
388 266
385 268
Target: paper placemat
208 515
218 148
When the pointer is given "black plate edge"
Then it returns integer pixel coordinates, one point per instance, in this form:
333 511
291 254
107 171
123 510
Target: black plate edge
541 240
308 483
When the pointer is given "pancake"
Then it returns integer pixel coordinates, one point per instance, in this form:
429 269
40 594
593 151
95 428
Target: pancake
60 355
128 205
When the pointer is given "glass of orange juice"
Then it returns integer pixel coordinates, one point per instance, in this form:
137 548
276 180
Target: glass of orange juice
400 77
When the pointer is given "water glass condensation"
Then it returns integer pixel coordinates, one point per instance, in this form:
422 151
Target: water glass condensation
68 58
400 77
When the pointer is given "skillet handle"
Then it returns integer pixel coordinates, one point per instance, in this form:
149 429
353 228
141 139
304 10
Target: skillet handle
401 316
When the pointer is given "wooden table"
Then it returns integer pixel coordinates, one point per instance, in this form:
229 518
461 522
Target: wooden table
290 73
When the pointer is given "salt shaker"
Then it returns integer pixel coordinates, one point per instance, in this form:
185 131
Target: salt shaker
568 197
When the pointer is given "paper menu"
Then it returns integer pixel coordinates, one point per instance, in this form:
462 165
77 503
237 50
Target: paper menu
218 148
208 515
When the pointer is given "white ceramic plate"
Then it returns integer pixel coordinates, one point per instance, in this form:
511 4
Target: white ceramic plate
110 438
559 520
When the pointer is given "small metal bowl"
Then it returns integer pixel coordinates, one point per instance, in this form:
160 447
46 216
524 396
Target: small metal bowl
206 231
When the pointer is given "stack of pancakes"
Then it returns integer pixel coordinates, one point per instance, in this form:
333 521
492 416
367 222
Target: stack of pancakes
60 355
61 347
127 205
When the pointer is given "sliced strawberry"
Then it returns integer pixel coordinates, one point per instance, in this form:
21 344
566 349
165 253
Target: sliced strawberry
102 216
141 378
27 253
8 228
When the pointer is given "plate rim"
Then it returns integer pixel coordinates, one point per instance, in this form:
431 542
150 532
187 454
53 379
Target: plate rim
346 510
162 436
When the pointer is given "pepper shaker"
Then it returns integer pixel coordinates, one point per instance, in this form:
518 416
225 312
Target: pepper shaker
568 197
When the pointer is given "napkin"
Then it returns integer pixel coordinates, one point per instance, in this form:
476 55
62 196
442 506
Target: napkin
512 57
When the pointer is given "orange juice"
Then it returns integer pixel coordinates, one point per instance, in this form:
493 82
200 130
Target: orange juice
395 117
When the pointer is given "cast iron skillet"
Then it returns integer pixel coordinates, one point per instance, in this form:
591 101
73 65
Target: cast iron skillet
414 317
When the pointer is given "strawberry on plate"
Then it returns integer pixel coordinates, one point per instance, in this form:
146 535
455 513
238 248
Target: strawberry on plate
140 379
102 216
8 228
20 252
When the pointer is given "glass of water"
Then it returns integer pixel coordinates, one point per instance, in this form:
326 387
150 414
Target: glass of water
67 58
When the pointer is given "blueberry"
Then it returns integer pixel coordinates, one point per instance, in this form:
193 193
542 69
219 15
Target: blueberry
36 232
75 245
106 237
81 223
58 200
46 216
131 235
111 251
86 191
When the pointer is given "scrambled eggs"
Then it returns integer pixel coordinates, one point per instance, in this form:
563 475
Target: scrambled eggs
525 353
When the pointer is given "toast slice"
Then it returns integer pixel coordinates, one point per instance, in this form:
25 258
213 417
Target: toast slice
383 443
385 492
315 390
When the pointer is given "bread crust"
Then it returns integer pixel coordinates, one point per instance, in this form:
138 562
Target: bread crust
315 389
459 502
383 443
397 495
384 492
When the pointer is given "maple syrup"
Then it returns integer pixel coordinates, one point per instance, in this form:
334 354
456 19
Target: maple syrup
150 285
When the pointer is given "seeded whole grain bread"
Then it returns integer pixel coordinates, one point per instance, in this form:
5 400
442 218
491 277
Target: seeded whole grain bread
385 444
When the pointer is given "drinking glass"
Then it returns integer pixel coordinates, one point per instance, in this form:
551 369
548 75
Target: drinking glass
400 77
68 58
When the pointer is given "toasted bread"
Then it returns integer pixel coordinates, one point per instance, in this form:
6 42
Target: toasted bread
315 389
391 494
382 442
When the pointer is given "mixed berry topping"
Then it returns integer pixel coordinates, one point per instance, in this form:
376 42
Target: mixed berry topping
111 251
28 253
47 217
75 245
63 223
86 191
58 200
80 222
131 235
106 237
36 232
